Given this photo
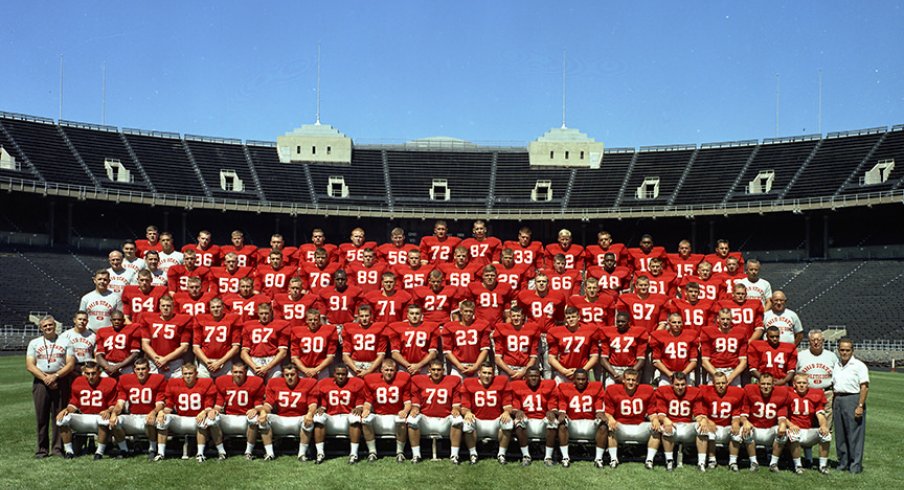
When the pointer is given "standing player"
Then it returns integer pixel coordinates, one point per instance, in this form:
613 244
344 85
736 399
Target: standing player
628 406
244 302
353 251
695 312
674 405
395 253
514 274
724 349
596 254
662 281
534 404
490 296
757 287
745 313
541 304
413 342
178 275
437 298
305 253
684 263
562 279
594 308
341 403
466 343
367 272
240 402
413 273
293 306
730 276
272 277
245 254
150 242
318 273
143 298
340 300
525 250
438 248
225 279
674 350
206 253
143 395
572 346
611 276
640 256
790 328
436 407
708 283
482 248
515 344
120 276
265 343
190 402
773 356
217 340
721 254
622 347
91 406
364 343
165 337
486 405
718 413
277 244
580 414
387 404
100 302
647 310
118 346
388 302
574 254
194 300
314 346
461 271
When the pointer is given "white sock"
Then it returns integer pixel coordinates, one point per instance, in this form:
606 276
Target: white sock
773 460
823 462
599 453
200 449
453 451
302 449
353 448
797 463
651 453
472 451
68 447
549 451
732 459
100 449
669 456
564 450
268 448
701 458
371 446
222 449
525 451
249 448
712 458
415 451
152 446
502 451
399 447
161 448
613 453
319 447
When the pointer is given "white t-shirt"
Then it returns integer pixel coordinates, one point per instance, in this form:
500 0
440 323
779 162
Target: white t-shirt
134 265
787 322
760 290
118 281
49 355
168 260
819 368
82 344
99 306
158 278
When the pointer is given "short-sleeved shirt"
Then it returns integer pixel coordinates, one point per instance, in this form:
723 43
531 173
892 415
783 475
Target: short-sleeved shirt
788 324
760 290
82 343
99 306
846 378
49 355
819 368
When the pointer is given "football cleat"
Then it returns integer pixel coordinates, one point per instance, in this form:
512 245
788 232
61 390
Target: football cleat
701 467
754 466
670 466
400 458
613 464
773 468
798 470
454 460
598 463
352 458
158 457
269 457
733 467
526 461
319 459
201 458
303 458
221 457
472 459
152 455
566 463
98 456
648 464
371 457
549 462
711 464
824 470
501 459
415 459
249 457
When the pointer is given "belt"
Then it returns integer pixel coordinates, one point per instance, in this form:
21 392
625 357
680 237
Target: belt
846 394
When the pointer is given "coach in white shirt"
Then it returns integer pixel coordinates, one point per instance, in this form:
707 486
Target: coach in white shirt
851 382
788 323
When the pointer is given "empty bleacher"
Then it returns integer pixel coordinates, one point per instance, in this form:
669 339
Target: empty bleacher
40 140
165 162
890 149
515 179
284 182
836 158
467 173
24 172
663 162
364 179
95 144
598 187
215 155
784 157
713 172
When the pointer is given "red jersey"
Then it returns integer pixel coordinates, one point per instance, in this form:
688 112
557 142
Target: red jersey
574 256
294 310
166 335
724 349
482 251
189 401
366 278
684 266
305 253
695 316
272 281
516 277
459 277
665 283
466 342
748 315
244 307
617 280
676 408
566 283
623 349
388 309
545 310
718 261
530 256
142 398
600 311
288 256
208 257
237 400
184 303
777 361
224 282
314 278
630 408
710 289
246 256
413 342
675 351
435 399
580 405
516 346
595 254
117 345
339 307
437 251
486 402
340 400
349 253
438 306
388 398
728 282
313 347
92 400
177 277
765 412
802 408
291 401
142 246
135 302
640 260
411 278
265 340
721 409
537 401
573 349
645 312
394 256
216 337
363 344
490 303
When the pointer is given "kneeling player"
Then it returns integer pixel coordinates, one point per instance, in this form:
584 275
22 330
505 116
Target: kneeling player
435 408
189 404
144 395
290 405
674 405
341 405
91 407
486 403
718 413
535 403
628 406
807 423
387 405
240 401
581 415
766 424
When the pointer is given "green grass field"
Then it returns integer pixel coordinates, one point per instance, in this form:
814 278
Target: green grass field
18 469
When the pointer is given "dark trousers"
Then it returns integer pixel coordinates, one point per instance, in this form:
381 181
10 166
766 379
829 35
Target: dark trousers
850 433
48 404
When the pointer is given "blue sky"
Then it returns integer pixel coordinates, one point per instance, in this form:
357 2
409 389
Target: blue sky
639 73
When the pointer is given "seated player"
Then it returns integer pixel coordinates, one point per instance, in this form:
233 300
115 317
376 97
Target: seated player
580 414
388 302
240 401
515 344
387 404
217 340
190 404
364 343
265 343
767 422
413 342
341 404
718 413
143 395
91 406
314 346
674 405
117 346
572 252
675 349
629 406
622 347
572 346
535 403
439 247
289 407
486 404
396 252
165 338
724 348
435 408
773 356
807 423
525 251
466 343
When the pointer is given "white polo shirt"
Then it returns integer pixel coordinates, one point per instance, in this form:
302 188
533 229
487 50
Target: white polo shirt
846 378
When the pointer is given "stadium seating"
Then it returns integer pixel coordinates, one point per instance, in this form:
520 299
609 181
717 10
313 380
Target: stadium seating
595 188
891 148
364 179
664 162
838 155
214 155
782 156
279 182
40 140
166 163
515 179
467 174
95 144
714 169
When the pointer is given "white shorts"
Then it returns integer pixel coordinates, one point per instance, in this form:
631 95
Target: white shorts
186 425
203 372
134 424
383 425
662 380
809 437
633 433
434 426
236 425
583 429
486 428
727 372
287 426
275 372
536 428
173 369
765 437
85 423
721 435
682 432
